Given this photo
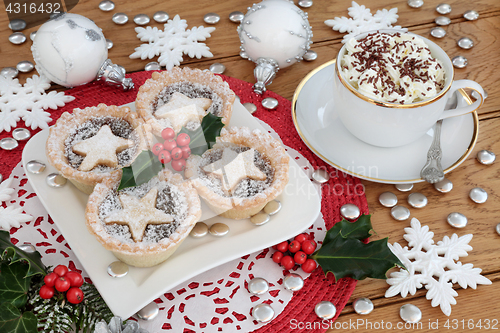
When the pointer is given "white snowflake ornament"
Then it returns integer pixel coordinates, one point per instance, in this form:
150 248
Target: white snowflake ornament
172 42
13 217
434 266
5 190
362 21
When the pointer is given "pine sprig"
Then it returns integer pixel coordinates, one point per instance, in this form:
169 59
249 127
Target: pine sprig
94 309
53 315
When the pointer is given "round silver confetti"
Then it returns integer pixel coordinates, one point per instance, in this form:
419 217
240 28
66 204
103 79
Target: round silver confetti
161 16
410 313
236 16
56 180
28 248
258 286
109 43
465 43
272 207
444 186
11 72
217 68
33 35
25 66
417 200
400 213
270 103
17 25
305 3
152 66
350 211
486 157
475 94
404 187
8 143
237 98
260 219
325 310
415 3
17 38
471 15
199 230
388 199
263 313
21 134
218 229
293 282
149 312
250 107
443 8
120 18
438 32
310 55
478 195
141 19
363 306
321 176
35 166
457 220
442 20
117 269
498 228
459 61
211 18
106 5
1 178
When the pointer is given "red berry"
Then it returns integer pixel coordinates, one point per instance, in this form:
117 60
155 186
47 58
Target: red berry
176 153
157 148
164 157
74 295
309 265
309 246
179 165
186 152
50 279
62 284
277 256
294 246
287 262
283 246
168 133
61 270
300 257
301 238
183 139
169 144
46 292
75 278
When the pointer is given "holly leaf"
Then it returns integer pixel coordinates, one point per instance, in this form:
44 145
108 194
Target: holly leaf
14 284
205 135
144 167
10 251
358 230
13 321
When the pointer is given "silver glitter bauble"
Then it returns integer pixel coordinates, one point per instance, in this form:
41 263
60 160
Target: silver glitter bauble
35 166
109 43
258 286
438 32
363 306
321 176
325 310
388 199
199 230
410 313
400 213
459 61
211 18
8 143
415 3
272 207
350 211
471 15
120 18
486 157
310 55
305 3
106 5
9 72
56 180
25 66
442 20
117 269
478 195
21 134
270 103
217 68
17 38
149 312
404 187
263 313
218 229
141 19
117 325
236 16
28 248
457 220
443 8
250 107
260 219
17 25
161 16
465 43
444 186
293 282
152 66
417 200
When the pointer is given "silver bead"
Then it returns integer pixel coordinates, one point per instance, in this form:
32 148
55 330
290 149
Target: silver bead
244 55
141 19
9 72
161 16
17 38
363 306
410 313
444 186
270 103
199 230
478 195
321 176
263 313
438 32
35 166
218 229
459 61
236 16
250 107
117 269
442 20
465 43
211 18
293 282
404 187
417 200
486 157
25 66
152 66
498 228
149 312
109 43
415 3
260 219
8 143
388 199
400 213
106 5
443 8
310 55
17 25
272 207
457 220
217 68
350 211
471 15
258 286
56 180
28 248
325 310
305 3
33 35
21 134
120 18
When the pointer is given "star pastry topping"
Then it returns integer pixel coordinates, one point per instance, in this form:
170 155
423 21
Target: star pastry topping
182 109
233 168
101 149
138 213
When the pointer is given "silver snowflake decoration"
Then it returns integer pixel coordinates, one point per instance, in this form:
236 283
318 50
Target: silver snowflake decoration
172 42
28 101
116 325
362 20
434 265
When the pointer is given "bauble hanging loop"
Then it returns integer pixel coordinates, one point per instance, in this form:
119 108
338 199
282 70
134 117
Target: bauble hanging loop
113 75
264 73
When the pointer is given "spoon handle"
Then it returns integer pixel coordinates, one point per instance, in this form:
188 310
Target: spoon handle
432 171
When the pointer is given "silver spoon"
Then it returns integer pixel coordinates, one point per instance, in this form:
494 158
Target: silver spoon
432 171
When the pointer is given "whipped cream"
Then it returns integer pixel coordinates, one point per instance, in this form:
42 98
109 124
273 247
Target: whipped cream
393 68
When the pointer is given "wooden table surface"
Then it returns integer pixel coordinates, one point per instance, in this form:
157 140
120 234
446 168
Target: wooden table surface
484 67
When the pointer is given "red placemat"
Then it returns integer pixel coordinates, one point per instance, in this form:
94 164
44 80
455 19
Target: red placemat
339 190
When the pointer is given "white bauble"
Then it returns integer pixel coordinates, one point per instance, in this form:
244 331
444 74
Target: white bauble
69 49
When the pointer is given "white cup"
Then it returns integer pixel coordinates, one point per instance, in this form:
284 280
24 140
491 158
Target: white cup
389 124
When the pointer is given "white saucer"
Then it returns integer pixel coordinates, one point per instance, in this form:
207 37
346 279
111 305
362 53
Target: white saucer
316 120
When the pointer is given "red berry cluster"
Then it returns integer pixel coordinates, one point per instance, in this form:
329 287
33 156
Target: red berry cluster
295 252
173 149
63 281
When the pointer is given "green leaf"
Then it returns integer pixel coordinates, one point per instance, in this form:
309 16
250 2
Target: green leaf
358 230
145 167
204 136
12 321
14 284
10 251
